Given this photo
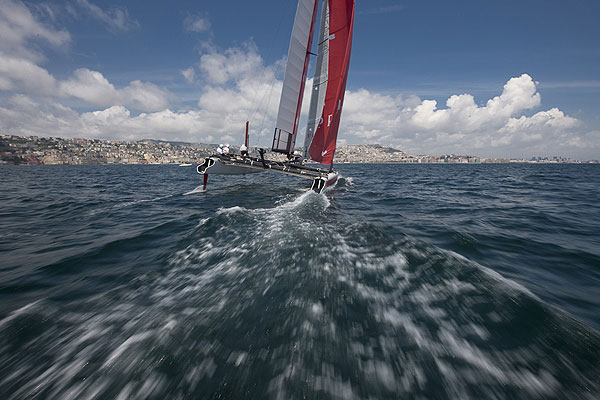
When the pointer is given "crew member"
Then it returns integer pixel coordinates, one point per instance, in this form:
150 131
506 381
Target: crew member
220 149
298 157
244 150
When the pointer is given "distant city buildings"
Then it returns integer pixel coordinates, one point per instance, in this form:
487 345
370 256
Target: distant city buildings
36 150
40 150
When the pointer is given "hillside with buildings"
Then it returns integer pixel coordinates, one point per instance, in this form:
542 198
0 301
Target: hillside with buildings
41 150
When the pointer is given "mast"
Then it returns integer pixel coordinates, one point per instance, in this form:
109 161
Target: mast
341 22
294 79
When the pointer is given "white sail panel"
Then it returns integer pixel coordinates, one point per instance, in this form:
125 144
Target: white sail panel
317 100
295 77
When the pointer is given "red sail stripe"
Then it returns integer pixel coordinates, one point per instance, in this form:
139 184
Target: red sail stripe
341 23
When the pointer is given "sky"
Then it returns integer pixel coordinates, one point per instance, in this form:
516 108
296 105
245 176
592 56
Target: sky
488 78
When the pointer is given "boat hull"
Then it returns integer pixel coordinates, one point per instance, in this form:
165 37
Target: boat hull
325 182
234 165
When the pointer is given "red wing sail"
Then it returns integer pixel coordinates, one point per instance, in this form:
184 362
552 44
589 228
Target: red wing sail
341 21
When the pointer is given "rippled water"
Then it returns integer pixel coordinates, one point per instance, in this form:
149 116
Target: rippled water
411 281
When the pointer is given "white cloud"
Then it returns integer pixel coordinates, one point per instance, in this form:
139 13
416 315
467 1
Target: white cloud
551 119
26 116
90 86
189 74
20 101
368 117
145 96
498 128
373 116
235 64
462 114
116 18
250 89
19 30
545 127
239 87
197 23
95 89
20 73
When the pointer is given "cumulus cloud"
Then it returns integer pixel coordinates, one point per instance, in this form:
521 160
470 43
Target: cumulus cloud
551 119
116 18
90 86
197 23
118 121
240 86
497 128
235 64
20 30
145 96
20 73
246 91
543 128
93 88
463 114
27 116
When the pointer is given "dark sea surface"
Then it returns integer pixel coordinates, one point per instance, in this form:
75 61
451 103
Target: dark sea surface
404 281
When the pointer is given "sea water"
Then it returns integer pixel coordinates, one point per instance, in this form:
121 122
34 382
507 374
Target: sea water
404 281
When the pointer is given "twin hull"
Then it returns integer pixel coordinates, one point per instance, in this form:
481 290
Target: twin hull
232 165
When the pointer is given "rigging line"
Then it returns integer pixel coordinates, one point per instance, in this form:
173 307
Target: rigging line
258 108
267 105
270 92
269 53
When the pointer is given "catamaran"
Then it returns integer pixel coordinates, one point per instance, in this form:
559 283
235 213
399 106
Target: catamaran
327 98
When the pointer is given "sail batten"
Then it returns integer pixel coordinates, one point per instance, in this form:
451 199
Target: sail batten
295 77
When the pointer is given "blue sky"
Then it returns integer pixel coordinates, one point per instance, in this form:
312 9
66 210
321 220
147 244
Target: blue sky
510 78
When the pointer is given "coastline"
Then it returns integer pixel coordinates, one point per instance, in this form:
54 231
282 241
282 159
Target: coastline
34 150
